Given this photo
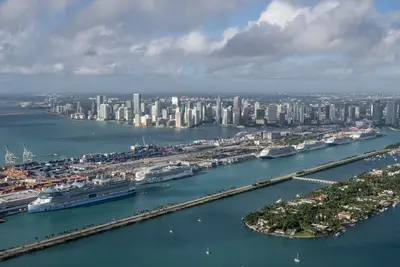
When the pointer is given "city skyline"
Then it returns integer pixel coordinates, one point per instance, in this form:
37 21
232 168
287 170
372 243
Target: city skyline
224 46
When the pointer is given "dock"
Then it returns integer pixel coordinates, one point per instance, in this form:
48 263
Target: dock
69 237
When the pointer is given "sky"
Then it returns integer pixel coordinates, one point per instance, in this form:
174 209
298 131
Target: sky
199 45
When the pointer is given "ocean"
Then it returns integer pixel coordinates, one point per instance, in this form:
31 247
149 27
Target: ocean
372 242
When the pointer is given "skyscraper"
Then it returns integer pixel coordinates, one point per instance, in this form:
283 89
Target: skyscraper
225 117
236 111
137 104
100 101
178 123
376 111
218 110
272 115
104 112
391 113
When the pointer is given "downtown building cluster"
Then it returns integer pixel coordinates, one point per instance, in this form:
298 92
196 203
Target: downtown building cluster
180 112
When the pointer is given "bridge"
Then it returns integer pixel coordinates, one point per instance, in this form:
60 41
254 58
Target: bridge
313 180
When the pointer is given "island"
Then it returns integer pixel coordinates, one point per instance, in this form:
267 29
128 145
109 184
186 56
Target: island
328 211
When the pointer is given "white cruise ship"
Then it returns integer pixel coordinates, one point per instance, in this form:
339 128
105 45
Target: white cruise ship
277 152
310 145
77 194
363 135
163 172
338 140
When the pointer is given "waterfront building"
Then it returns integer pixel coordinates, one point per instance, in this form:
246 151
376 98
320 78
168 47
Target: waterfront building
246 114
104 112
236 120
178 123
94 109
302 114
189 117
272 114
199 106
100 100
345 111
195 116
225 117
391 113
164 114
218 110
137 104
128 114
376 112
157 108
120 114
137 120
260 116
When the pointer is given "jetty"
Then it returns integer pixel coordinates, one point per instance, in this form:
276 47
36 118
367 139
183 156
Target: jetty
43 244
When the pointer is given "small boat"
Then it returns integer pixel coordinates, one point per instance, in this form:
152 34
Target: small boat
170 231
279 201
337 234
199 220
207 251
2 220
297 259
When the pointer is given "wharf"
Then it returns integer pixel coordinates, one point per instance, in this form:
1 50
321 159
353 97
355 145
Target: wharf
40 245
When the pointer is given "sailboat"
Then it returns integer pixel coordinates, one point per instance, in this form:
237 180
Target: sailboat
207 251
297 259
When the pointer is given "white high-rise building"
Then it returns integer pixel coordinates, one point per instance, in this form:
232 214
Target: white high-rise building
189 117
178 123
137 102
128 114
137 120
175 101
120 114
100 100
104 112
225 117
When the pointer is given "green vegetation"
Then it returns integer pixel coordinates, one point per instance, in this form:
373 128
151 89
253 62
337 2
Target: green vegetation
329 210
296 140
393 146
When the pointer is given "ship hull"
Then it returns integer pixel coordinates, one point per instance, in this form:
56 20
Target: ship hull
60 206
306 149
165 178
339 143
365 138
277 156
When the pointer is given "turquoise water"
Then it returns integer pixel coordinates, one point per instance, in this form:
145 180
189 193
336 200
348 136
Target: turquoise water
371 243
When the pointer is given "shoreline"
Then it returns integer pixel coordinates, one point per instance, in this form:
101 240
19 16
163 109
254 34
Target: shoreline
147 215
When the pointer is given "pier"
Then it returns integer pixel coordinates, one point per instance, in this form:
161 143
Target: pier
43 244
314 180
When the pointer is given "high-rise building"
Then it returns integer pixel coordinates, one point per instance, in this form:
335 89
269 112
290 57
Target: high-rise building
175 101
120 114
302 114
346 111
225 117
218 110
199 106
391 113
137 120
327 112
189 117
104 112
332 112
236 112
352 113
100 101
128 114
137 102
157 108
178 123
272 113
257 105
377 112
94 109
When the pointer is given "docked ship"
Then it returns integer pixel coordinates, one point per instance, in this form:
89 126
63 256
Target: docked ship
338 140
163 172
310 145
76 194
363 135
277 152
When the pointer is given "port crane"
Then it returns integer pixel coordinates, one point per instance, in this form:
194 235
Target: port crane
27 156
10 158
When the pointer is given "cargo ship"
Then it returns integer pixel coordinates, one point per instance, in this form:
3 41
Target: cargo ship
81 193
310 145
277 152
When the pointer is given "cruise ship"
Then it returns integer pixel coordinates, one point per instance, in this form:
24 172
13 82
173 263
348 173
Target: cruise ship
338 140
310 145
163 172
277 152
363 135
76 194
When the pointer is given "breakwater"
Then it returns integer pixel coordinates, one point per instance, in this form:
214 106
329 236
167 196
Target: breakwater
14 252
